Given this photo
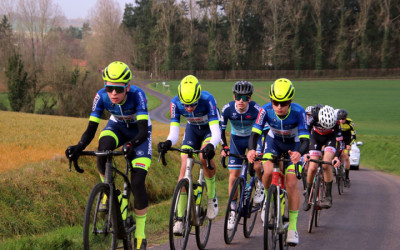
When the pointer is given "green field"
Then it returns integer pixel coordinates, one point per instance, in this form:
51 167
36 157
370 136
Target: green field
372 104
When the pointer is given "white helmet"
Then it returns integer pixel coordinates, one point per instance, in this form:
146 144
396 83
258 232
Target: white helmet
309 109
327 117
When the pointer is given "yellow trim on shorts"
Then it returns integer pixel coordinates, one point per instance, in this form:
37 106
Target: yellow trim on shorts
109 133
94 119
185 147
292 168
141 162
304 136
142 117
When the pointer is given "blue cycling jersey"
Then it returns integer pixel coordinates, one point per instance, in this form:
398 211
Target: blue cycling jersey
291 127
241 123
205 112
133 109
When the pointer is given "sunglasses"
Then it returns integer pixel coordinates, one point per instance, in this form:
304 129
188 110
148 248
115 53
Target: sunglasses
283 104
245 98
117 88
191 105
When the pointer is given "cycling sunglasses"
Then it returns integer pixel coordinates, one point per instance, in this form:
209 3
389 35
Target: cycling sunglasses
245 98
283 104
191 105
117 88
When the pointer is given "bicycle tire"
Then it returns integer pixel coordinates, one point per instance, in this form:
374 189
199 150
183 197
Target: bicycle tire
321 194
236 189
271 236
203 231
250 216
284 244
179 241
129 221
97 232
314 203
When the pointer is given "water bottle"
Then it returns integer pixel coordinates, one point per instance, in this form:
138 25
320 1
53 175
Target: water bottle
124 205
199 191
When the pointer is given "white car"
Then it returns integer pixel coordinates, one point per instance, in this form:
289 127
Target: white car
355 155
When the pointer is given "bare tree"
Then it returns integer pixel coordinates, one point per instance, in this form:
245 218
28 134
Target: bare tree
105 44
362 21
37 18
235 10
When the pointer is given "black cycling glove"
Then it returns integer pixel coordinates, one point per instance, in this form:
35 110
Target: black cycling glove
163 147
129 151
208 151
73 152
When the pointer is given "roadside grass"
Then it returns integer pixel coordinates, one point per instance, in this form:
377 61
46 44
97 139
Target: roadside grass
40 195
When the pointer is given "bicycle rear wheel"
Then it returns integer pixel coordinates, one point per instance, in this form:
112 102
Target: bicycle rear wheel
271 236
251 213
235 195
97 225
342 179
314 202
321 195
179 239
203 231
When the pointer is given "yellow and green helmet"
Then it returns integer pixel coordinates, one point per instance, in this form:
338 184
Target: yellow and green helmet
117 72
282 90
189 90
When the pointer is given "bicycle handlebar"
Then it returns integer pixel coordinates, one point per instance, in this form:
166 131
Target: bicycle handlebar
321 161
185 151
94 153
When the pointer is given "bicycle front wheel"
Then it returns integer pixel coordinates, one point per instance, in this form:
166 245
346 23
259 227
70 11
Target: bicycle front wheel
97 225
179 217
314 202
251 213
234 210
203 230
271 236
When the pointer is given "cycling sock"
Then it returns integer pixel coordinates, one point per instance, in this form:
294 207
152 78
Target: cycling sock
140 224
328 189
293 220
347 173
234 205
182 204
210 187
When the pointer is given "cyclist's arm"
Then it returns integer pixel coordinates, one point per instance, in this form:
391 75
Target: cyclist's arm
223 138
353 132
173 133
253 140
224 123
215 133
339 139
142 135
89 134
304 144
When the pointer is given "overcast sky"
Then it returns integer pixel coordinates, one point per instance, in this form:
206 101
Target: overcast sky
80 8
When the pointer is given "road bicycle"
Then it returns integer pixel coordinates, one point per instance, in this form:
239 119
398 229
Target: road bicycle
245 205
108 216
195 212
317 194
276 217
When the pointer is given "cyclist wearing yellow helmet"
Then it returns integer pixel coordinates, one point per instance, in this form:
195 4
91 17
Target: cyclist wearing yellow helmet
288 134
202 132
129 126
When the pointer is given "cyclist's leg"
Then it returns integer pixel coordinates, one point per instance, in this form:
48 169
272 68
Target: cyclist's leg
141 164
328 176
294 204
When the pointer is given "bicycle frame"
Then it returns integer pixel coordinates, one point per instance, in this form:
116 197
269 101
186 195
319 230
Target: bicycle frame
195 219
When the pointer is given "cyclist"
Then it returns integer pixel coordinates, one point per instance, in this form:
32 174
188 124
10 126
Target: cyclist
288 134
129 126
349 136
325 132
242 112
203 131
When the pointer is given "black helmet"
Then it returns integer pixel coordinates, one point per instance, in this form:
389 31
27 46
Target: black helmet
243 87
341 114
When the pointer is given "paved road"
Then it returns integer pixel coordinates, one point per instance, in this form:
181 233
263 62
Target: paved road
364 217
158 113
